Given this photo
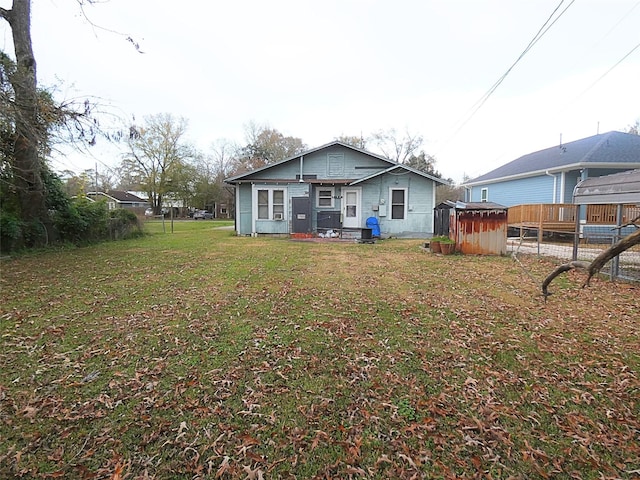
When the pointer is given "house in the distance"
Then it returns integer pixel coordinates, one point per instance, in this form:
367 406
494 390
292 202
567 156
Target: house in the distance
550 175
119 199
334 187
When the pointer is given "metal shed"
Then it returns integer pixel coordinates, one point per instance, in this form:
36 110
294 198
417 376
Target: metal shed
479 228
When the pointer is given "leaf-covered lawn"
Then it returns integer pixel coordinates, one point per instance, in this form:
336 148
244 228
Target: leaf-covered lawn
202 355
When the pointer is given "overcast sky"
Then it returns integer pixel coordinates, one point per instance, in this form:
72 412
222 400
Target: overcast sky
320 69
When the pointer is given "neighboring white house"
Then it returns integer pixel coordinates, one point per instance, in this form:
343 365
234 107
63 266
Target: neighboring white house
119 199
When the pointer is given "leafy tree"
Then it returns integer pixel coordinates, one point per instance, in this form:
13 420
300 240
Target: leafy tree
211 170
183 183
265 145
451 192
423 162
353 140
30 123
26 126
157 157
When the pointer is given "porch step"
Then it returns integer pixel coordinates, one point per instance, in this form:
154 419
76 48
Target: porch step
352 233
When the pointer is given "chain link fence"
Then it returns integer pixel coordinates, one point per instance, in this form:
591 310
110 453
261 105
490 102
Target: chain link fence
565 247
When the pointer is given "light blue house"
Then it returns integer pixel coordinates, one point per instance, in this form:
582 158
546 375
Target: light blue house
550 175
334 187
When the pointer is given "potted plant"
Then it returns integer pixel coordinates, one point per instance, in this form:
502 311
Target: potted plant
434 243
447 246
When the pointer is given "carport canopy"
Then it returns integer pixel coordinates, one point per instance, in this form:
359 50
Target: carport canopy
619 188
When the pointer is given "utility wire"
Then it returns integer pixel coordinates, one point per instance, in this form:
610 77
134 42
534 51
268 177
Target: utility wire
620 21
541 32
608 71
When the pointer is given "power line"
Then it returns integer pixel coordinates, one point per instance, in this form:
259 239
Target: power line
541 32
620 21
608 71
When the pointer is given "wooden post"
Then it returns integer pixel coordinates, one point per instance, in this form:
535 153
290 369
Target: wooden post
540 227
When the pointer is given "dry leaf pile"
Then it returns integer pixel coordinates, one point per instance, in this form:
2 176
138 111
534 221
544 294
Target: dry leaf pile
264 359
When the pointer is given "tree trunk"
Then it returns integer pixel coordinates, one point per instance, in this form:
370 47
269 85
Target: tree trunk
27 166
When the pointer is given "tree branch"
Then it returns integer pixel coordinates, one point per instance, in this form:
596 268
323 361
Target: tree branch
596 265
558 270
6 14
611 252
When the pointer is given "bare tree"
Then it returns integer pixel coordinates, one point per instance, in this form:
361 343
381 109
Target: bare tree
635 128
395 147
156 154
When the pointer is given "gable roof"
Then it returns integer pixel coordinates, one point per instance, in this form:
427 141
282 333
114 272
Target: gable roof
399 166
392 166
623 187
611 149
119 196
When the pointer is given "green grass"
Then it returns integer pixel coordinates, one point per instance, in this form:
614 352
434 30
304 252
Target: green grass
198 354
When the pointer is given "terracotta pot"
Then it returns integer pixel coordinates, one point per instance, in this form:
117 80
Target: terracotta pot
435 246
447 248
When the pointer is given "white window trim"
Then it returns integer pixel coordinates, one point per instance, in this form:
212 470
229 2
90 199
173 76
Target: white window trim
270 189
333 196
484 194
406 203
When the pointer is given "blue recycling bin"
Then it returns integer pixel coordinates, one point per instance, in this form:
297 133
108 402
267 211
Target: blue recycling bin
372 223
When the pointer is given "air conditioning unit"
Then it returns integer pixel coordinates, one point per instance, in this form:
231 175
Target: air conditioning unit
277 216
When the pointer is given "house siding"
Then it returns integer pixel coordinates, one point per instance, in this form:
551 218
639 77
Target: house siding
420 203
337 167
522 180
516 192
331 163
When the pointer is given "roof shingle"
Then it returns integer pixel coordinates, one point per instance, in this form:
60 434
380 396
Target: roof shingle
606 148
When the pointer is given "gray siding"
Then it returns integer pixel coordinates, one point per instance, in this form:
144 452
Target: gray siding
340 164
419 213
331 163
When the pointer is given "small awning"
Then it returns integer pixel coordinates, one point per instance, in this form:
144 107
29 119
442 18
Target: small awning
618 188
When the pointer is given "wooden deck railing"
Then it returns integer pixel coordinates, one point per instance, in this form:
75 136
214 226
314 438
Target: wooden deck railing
562 216
549 216
607 214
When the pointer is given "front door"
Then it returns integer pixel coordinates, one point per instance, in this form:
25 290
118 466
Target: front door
351 208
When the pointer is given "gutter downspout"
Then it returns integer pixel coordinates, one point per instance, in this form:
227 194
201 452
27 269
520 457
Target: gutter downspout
301 168
555 184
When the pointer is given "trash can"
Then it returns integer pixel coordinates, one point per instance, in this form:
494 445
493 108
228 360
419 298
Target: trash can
372 223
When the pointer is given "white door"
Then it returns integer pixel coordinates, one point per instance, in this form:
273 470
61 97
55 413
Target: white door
351 208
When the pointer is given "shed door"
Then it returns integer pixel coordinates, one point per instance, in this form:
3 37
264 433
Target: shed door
301 215
441 221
